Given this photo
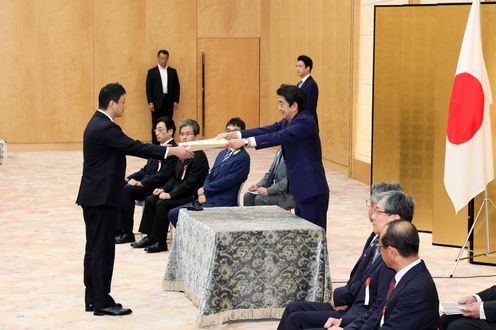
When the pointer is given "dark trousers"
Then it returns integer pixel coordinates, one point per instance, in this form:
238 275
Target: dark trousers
99 254
305 315
125 222
155 219
165 110
314 209
459 322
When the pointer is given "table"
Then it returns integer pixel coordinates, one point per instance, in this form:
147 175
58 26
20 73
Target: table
238 263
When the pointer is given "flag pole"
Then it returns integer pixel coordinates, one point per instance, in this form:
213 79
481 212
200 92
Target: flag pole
488 253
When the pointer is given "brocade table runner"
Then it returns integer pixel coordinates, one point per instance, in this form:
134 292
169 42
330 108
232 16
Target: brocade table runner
238 263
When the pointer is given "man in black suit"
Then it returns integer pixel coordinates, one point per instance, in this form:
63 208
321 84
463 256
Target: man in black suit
180 189
412 301
162 89
352 300
141 184
479 313
308 85
105 147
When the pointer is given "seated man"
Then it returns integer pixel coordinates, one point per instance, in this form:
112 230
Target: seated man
273 188
140 185
361 291
188 176
479 312
221 186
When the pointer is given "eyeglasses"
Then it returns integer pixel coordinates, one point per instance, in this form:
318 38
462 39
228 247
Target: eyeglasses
160 130
376 211
186 134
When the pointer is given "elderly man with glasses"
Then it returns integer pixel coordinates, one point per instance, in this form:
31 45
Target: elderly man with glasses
352 301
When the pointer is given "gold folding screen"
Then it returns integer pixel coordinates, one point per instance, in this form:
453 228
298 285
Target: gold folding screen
415 57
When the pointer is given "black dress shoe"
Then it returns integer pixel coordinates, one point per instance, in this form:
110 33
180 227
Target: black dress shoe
157 247
125 238
144 242
89 307
115 310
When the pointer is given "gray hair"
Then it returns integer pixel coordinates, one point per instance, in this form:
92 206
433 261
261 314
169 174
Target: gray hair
398 202
380 187
191 123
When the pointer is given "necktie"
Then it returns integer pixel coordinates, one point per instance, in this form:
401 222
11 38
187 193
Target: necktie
227 155
391 288
300 83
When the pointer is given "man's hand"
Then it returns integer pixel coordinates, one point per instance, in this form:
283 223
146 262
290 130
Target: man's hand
467 300
253 188
175 106
200 191
472 310
132 182
341 308
164 195
150 106
180 152
227 135
202 199
158 191
236 143
332 322
263 191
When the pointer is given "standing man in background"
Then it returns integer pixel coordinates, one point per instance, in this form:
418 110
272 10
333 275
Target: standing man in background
105 147
162 90
309 86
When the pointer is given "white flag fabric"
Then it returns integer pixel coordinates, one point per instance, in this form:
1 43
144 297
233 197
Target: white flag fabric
468 165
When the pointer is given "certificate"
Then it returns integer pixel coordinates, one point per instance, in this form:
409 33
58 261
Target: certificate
205 144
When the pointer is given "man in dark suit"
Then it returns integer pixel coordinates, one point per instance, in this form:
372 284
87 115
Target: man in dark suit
180 189
223 183
351 301
298 136
479 313
105 147
308 85
162 89
412 301
141 184
272 189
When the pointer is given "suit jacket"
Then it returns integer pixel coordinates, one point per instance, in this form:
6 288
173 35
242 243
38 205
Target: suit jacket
311 91
488 296
105 147
222 185
150 177
188 176
154 90
276 182
302 152
413 304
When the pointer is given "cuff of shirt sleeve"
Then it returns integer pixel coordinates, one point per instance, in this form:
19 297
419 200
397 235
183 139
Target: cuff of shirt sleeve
482 315
252 141
238 133
166 153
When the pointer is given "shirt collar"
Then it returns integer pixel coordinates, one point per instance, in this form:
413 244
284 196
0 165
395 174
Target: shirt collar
106 114
404 270
305 78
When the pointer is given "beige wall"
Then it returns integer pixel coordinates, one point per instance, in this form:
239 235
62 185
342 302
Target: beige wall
57 54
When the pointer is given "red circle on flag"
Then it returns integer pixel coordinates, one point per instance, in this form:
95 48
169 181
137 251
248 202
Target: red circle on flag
466 110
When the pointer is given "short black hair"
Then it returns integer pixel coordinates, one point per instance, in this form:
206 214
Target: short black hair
236 121
162 51
110 92
191 123
292 94
402 235
169 123
307 60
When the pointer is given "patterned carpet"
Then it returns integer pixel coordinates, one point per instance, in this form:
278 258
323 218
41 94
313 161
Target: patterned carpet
42 244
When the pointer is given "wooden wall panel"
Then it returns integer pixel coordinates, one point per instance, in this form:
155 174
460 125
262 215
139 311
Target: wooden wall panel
229 19
46 70
325 35
119 57
173 29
